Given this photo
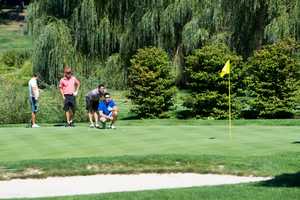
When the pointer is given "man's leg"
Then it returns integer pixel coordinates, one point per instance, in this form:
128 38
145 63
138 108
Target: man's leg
96 119
71 113
34 109
91 114
67 109
68 116
94 108
33 117
89 110
72 109
103 122
115 117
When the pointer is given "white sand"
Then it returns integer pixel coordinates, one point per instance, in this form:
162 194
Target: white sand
78 185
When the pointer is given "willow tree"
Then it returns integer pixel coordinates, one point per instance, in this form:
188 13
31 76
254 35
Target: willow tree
100 28
52 50
53 47
256 22
286 24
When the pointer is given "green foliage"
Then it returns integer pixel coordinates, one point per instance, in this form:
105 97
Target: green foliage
255 22
112 73
100 29
52 50
14 103
15 107
15 58
151 83
19 76
272 79
285 24
209 97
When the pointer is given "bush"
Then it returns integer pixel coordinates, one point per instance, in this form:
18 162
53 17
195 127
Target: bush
209 92
15 58
14 103
112 73
151 83
19 76
271 76
15 107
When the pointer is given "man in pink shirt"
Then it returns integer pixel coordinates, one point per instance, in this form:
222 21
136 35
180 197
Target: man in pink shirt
69 86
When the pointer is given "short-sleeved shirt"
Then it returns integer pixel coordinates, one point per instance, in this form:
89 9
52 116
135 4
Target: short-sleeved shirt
94 95
33 84
68 85
106 108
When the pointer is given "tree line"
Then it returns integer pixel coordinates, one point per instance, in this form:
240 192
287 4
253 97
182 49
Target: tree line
109 40
90 31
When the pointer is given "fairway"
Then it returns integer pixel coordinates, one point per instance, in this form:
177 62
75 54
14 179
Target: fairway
157 139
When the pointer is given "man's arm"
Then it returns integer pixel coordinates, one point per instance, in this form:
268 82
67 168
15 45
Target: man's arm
62 93
77 82
104 115
61 90
35 91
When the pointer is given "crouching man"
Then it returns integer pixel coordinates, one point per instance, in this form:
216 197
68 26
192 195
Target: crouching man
108 111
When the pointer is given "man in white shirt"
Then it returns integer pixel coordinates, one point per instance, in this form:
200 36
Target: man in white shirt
33 98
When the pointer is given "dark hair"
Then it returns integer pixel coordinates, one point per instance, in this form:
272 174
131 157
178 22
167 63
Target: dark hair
35 75
101 85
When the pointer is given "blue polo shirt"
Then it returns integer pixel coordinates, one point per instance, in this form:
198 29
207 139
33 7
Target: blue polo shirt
106 107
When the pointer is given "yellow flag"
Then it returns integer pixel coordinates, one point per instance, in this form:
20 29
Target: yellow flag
226 69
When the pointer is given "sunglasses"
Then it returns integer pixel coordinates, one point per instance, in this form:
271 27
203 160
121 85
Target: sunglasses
68 72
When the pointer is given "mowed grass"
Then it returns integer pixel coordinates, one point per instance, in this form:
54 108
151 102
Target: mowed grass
12 37
149 146
59 142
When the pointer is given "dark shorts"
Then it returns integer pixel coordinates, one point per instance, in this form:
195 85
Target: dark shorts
70 103
34 104
91 105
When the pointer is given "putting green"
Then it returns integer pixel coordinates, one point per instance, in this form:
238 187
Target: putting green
154 139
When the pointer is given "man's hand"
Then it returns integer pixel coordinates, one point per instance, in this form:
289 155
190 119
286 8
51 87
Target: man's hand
63 97
108 117
75 93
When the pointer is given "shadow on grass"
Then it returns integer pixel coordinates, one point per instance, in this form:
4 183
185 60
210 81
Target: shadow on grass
284 180
130 117
296 142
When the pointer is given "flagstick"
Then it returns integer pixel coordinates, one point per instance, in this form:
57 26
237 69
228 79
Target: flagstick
229 101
